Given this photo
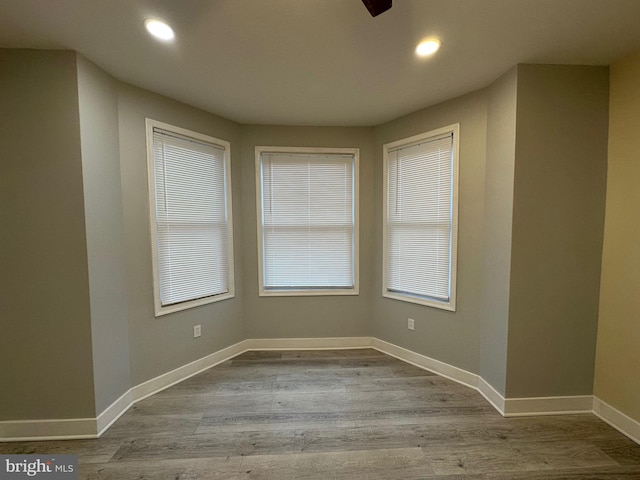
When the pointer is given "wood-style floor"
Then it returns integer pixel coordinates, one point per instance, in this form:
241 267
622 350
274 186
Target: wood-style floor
345 414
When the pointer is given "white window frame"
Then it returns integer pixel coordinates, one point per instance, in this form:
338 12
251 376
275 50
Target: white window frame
406 142
159 308
356 228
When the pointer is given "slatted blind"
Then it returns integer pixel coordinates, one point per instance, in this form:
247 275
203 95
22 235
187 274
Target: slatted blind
307 220
191 218
419 218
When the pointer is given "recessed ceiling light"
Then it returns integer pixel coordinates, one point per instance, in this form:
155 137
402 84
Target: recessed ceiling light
159 29
428 47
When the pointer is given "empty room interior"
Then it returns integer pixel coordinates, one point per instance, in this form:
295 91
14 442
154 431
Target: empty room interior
309 239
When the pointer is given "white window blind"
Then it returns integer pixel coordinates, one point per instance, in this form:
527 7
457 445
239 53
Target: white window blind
191 218
420 223
308 228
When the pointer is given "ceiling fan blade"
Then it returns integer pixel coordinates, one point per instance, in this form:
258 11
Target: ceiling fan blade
376 7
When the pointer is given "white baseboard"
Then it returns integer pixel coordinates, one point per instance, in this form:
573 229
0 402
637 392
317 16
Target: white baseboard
78 428
491 395
113 412
618 420
443 369
527 407
508 407
166 380
54 429
456 374
327 343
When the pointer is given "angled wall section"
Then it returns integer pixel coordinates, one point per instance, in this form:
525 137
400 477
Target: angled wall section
45 345
498 219
451 337
158 345
98 110
558 217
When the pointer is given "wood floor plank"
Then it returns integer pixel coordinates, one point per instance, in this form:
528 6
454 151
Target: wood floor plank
442 416
430 414
445 398
509 457
240 373
407 383
231 387
531 429
593 473
408 463
207 446
131 424
273 421
347 353
333 402
215 468
374 438
216 404
353 374
622 450
318 386
88 451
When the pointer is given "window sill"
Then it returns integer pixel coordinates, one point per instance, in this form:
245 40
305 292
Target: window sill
449 306
160 310
308 293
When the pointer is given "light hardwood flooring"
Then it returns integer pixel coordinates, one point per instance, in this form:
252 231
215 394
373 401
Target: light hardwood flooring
344 414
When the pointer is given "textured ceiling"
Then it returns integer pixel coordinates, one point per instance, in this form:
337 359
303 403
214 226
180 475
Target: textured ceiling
322 62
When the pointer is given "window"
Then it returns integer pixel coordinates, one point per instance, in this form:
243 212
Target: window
421 218
307 206
190 212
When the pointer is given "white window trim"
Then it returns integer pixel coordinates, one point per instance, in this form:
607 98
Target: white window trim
262 292
451 304
164 310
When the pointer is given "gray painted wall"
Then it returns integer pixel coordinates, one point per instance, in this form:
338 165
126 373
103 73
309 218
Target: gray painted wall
558 223
330 316
45 345
98 108
498 214
446 336
158 345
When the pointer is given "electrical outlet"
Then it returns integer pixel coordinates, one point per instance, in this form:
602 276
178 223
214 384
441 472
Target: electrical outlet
197 331
410 324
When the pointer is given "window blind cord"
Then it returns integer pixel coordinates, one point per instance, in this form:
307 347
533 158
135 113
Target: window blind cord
309 251
396 186
166 208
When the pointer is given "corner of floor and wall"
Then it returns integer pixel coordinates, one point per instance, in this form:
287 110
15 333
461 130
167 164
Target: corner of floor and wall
546 319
